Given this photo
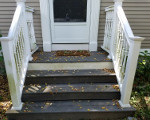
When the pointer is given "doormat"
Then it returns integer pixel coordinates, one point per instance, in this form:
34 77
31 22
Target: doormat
73 53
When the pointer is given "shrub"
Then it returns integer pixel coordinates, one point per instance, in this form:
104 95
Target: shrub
141 91
143 68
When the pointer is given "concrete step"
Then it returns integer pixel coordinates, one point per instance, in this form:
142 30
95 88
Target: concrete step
71 110
93 91
70 76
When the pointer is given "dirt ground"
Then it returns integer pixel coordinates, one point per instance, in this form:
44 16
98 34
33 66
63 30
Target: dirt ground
5 102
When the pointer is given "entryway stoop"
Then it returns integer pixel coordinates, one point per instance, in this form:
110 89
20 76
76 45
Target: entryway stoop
61 93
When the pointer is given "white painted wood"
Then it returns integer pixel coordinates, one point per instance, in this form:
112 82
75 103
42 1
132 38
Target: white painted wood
56 47
8 53
45 24
123 19
95 13
46 8
17 52
70 66
77 32
11 74
130 71
31 33
124 51
108 28
114 28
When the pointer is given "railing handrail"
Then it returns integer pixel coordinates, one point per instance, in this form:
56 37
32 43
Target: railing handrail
123 48
124 23
13 27
109 8
17 51
29 9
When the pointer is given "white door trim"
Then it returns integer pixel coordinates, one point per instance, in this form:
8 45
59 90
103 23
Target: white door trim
46 30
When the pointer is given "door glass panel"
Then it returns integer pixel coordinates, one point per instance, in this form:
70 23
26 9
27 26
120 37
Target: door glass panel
70 10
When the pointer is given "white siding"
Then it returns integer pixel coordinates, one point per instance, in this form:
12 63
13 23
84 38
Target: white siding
138 13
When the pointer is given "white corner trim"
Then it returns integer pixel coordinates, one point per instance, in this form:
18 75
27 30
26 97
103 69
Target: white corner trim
93 46
45 24
47 47
95 13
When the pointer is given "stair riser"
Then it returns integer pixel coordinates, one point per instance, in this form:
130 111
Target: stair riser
36 97
70 66
109 115
70 79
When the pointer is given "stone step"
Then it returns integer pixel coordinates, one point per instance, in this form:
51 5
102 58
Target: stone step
70 76
71 110
93 91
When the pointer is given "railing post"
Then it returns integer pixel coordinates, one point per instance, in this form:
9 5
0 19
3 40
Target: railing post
114 29
14 87
130 71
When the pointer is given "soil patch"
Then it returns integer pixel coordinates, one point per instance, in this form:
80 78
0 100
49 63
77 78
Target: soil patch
5 102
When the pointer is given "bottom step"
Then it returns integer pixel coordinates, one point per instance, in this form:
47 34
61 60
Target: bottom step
71 110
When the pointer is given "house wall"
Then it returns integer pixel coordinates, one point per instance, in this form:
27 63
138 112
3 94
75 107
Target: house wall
137 11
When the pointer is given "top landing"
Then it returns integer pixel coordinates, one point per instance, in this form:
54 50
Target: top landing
51 57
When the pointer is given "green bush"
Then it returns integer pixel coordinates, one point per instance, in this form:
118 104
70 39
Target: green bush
141 89
143 68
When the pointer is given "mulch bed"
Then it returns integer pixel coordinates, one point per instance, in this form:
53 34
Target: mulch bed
73 53
5 102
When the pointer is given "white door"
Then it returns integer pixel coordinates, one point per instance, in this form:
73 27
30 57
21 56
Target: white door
70 21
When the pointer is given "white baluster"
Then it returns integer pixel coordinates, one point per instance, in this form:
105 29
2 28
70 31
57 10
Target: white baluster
117 3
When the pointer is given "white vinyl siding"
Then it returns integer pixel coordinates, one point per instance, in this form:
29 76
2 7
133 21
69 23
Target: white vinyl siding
137 11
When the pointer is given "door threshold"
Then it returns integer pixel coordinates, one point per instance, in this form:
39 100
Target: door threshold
56 47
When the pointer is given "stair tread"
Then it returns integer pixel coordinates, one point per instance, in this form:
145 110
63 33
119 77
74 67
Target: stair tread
71 88
59 73
72 106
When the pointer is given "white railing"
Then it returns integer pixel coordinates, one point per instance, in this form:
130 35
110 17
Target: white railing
108 27
29 17
123 48
17 53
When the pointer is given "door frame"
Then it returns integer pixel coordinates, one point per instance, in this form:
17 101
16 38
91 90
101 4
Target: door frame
63 26
46 29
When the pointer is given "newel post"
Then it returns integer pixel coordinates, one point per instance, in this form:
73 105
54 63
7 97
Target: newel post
114 29
7 47
130 71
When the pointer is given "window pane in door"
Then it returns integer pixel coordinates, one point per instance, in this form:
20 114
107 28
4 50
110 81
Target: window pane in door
70 10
